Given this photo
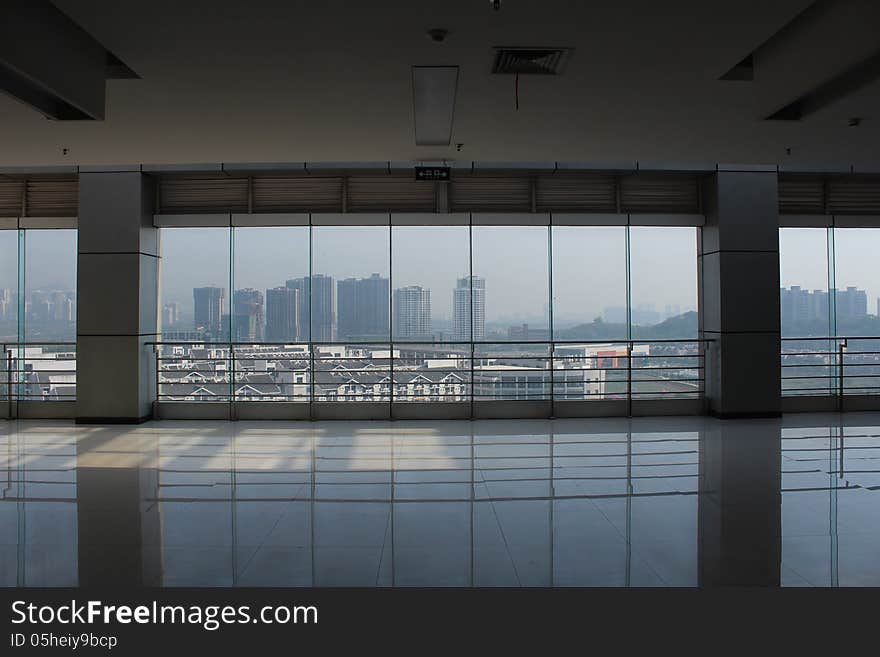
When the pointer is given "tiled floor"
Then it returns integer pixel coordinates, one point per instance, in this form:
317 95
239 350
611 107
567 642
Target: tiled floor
641 502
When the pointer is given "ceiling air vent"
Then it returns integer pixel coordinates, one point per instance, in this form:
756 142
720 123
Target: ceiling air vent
530 61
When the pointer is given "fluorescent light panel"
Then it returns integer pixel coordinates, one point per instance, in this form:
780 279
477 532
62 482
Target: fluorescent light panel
434 89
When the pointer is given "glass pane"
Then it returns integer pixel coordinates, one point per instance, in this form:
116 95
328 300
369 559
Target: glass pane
351 305
857 304
663 262
857 279
351 288
432 372
511 283
803 277
50 285
664 282
808 366
194 283
428 262
270 304
8 286
589 282
47 369
510 372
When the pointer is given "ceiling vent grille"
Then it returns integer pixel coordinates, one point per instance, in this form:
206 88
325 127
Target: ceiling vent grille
530 61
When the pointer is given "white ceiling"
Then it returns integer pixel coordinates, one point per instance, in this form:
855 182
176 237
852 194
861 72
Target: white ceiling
302 80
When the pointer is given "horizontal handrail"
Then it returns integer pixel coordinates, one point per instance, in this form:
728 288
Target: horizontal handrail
833 337
381 343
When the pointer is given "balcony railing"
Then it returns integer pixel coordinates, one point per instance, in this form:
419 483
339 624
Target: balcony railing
831 366
435 372
38 371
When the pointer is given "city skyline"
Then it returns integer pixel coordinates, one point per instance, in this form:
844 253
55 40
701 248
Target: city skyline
589 266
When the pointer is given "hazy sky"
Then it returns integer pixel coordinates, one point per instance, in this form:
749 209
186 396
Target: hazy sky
803 255
589 264
50 257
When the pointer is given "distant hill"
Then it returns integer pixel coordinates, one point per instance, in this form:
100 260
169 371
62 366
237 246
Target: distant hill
680 326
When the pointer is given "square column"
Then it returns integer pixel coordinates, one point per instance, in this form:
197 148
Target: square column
117 282
739 292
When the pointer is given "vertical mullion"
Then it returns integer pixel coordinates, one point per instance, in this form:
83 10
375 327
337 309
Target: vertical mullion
308 291
629 333
21 320
832 301
231 238
390 325
471 305
550 318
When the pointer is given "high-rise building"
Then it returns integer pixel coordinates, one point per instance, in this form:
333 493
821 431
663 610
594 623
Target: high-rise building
301 285
170 313
208 305
346 307
322 307
852 303
6 304
412 312
316 307
282 312
800 305
362 307
247 315
469 318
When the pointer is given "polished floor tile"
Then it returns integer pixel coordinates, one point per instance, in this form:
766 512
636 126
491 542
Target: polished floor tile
605 502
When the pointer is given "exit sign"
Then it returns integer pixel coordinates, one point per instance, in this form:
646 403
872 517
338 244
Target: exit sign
432 174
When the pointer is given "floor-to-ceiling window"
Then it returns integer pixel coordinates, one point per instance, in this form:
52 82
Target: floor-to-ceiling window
195 364
269 313
38 313
829 305
429 308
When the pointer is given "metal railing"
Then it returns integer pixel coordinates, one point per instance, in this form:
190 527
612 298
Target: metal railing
835 366
38 371
434 372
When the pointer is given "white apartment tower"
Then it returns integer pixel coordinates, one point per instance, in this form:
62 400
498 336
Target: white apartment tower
462 308
412 312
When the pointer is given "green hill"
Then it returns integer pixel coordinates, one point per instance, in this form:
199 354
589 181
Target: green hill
680 326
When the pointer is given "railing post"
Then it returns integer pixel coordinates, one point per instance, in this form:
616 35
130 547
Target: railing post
156 404
629 396
553 380
232 382
841 350
473 389
311 374
8 353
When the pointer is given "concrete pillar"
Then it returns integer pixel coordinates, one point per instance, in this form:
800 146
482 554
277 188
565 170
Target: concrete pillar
739 295
740 504
117 275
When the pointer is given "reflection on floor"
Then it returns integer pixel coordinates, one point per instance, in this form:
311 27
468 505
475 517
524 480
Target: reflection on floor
617 502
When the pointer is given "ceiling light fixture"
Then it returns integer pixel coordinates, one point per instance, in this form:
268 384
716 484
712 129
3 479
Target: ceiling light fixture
434 90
